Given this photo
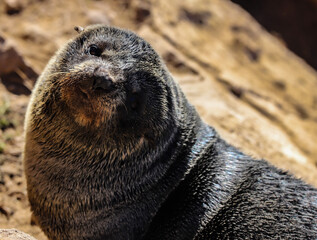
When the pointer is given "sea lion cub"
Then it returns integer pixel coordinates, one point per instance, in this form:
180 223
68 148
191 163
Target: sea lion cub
114 151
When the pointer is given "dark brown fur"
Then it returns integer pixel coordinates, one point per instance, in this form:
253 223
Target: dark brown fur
114 151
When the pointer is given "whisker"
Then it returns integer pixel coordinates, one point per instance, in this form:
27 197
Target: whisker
121 101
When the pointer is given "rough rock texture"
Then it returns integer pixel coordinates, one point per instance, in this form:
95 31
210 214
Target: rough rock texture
293 21
257 90
13 234
260 96
16 75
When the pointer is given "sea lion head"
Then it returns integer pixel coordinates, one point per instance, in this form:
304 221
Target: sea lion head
101 129
109 80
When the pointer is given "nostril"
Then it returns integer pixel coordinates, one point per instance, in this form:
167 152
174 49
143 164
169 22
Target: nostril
103 83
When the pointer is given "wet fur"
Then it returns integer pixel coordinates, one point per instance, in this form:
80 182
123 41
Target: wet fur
104 168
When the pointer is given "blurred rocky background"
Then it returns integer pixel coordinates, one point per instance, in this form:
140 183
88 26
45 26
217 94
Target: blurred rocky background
244 78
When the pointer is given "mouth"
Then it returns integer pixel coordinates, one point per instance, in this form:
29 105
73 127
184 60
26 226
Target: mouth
93 93
103 85
92 100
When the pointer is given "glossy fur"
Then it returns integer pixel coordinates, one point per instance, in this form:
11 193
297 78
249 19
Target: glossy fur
131 159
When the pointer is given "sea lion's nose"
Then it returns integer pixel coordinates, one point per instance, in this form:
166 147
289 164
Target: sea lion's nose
102 81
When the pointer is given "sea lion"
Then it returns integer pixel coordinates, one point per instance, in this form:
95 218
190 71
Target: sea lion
114 150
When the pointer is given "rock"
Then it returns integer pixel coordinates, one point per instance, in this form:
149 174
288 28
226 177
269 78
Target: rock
10 60
241 65
142 10
97 17
277 17
6 211
13 234
13 6
15 74
198 18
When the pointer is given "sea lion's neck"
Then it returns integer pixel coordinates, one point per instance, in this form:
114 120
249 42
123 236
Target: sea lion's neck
114 185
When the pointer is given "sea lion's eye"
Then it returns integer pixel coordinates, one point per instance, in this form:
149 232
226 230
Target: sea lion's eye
94 50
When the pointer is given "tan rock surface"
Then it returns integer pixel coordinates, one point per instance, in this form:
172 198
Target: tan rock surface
259 96
13 234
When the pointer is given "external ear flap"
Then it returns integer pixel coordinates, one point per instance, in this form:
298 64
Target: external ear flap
79 29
